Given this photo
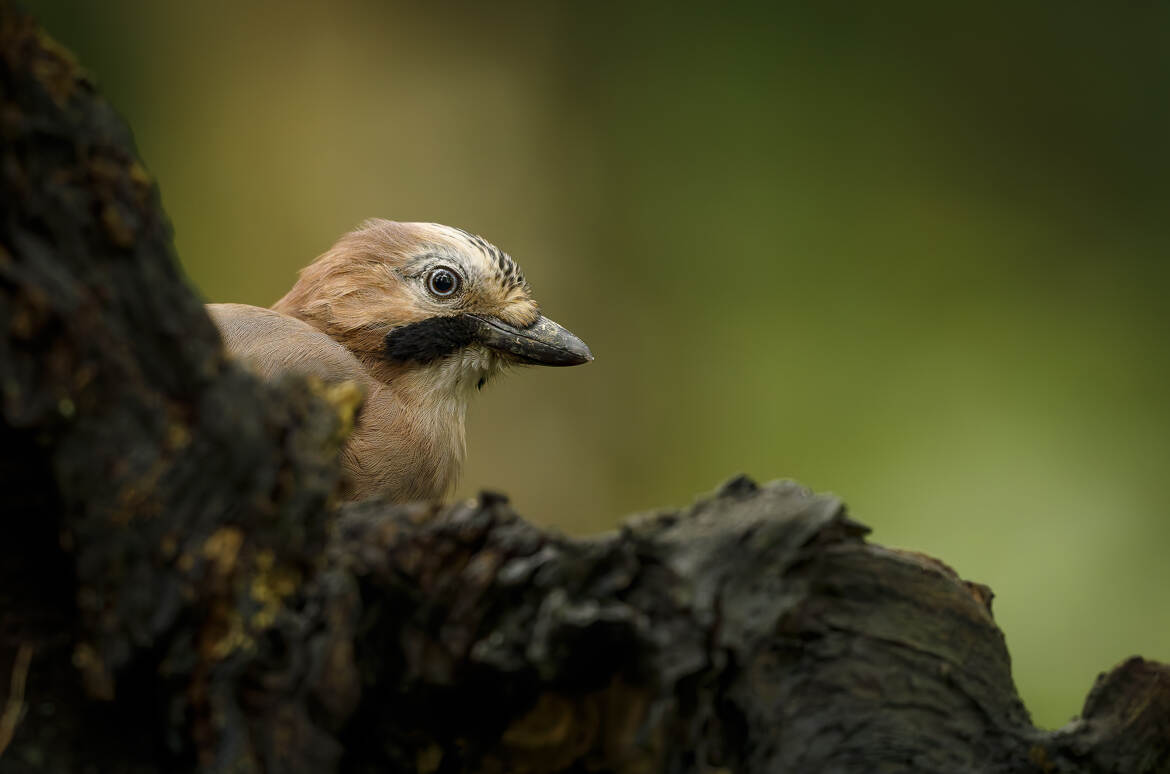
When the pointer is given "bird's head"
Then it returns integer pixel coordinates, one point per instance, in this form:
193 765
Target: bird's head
406 295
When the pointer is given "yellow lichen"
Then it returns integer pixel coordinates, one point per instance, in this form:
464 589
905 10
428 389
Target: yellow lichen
98 682
265 559
56 69
270 586
233 637
345 398
602 730
142 181
178 436
222 549
120 232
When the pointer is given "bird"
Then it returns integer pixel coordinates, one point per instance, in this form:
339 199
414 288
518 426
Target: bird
421 316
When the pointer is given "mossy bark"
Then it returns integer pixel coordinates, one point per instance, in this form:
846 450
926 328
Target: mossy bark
180 590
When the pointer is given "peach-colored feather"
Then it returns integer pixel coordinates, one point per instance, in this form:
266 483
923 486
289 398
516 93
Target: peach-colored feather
408 442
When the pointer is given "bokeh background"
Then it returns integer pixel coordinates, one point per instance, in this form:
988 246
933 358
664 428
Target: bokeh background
914 255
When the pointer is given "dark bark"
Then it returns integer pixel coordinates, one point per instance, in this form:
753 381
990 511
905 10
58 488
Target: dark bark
179 590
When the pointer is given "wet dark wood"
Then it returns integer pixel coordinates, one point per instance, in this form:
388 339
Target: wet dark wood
179 589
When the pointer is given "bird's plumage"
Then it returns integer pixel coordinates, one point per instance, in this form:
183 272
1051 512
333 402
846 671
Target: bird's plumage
420 316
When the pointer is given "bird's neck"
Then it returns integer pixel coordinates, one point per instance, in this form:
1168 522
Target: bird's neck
449 380
432 393
430 408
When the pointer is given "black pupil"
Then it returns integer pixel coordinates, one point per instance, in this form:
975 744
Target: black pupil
443 282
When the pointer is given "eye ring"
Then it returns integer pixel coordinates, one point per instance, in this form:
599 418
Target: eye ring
443 282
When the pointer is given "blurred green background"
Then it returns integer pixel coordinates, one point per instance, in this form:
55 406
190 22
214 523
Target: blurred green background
915 255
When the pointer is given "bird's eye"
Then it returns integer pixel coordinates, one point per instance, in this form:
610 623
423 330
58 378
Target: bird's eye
442 282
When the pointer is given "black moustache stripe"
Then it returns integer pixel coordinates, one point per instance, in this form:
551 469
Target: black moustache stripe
428 340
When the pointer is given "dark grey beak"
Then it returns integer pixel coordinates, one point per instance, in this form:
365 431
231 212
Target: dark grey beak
542 343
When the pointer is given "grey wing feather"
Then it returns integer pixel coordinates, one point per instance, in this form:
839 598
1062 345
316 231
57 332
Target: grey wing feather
271 343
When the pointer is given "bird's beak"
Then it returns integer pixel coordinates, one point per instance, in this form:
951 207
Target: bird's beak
542 343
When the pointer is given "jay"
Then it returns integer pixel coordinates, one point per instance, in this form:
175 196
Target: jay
421 316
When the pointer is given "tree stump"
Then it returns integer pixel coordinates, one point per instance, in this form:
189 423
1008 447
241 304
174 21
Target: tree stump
180 589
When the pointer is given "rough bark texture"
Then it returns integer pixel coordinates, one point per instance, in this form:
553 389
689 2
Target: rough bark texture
179 591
